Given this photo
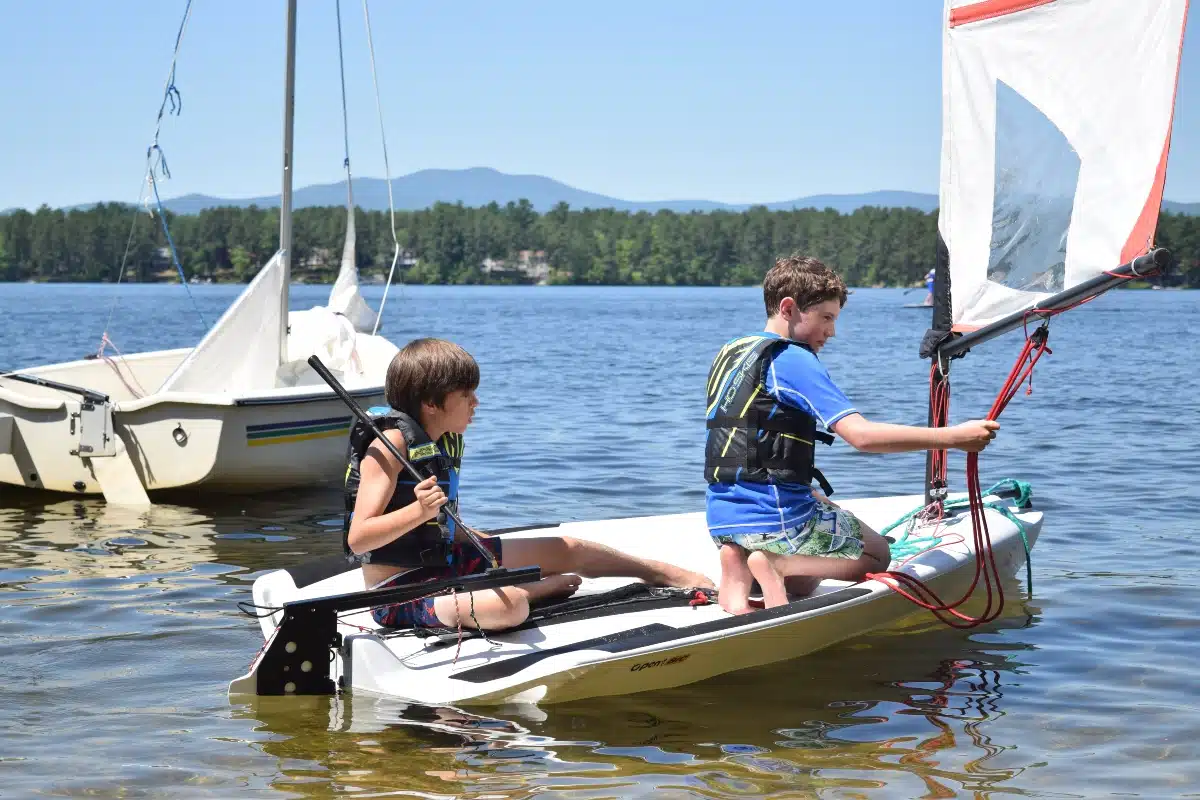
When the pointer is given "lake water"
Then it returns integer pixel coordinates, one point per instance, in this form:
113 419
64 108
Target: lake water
119 629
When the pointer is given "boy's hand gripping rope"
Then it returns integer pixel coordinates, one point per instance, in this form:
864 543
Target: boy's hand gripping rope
1022 371
985 559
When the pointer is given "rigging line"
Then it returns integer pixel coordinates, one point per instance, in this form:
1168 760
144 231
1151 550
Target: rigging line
386 170
345 117
349 246
170 95
120 276
984 554
162 216
170 92
155 158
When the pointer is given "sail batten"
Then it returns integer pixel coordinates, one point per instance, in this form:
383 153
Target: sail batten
1056 127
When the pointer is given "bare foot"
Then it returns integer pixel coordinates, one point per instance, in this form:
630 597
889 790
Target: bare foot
773 587
665 574
734 594
553 586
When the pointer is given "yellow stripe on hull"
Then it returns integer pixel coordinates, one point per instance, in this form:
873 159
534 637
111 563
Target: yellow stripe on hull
299 437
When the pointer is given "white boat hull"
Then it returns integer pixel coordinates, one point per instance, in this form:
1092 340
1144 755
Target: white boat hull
631 650
243 442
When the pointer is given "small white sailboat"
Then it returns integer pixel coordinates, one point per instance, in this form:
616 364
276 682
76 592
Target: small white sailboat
1056 126
612 637
239 412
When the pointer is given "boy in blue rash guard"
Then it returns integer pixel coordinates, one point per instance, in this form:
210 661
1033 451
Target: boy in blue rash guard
770 400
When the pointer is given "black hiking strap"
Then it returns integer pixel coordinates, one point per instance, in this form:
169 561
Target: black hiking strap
573 609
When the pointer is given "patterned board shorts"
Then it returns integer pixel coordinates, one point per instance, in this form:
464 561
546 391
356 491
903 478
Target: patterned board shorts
420 613
831 532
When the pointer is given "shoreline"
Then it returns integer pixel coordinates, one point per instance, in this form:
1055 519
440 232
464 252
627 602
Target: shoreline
1139 286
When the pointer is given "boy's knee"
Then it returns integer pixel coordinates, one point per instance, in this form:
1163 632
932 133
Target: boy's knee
733 552
765 570
497 610
876 551
515 610
569 551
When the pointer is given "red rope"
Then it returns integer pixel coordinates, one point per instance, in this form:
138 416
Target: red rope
985 568
914 589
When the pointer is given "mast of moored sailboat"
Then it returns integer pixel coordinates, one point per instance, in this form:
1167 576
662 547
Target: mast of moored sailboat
285 199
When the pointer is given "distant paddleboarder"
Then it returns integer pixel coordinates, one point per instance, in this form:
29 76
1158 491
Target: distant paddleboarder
929 287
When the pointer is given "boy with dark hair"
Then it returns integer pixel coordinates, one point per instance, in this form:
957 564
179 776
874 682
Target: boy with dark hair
391 524
769 401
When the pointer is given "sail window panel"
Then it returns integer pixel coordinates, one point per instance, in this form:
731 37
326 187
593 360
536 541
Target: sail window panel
1037 172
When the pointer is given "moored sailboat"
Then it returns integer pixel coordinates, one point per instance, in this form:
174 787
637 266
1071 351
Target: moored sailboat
239 412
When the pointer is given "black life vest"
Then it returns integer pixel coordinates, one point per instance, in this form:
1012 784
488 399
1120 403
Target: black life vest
751 437
431 542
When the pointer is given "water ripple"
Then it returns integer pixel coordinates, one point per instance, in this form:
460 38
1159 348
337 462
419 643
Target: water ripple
121 630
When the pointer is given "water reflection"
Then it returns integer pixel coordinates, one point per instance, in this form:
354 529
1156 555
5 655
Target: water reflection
121 632
840 720
43 535
914 710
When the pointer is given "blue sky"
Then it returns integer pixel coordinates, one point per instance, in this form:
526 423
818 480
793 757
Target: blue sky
649 100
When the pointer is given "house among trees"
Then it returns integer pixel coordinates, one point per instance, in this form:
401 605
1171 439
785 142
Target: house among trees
529 266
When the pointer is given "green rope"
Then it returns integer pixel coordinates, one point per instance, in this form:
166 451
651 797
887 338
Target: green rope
906 545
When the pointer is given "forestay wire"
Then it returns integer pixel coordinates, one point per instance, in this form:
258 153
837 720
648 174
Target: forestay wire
156 160
172 103
386 167
345 120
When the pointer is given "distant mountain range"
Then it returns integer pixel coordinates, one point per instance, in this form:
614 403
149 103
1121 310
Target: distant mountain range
479 186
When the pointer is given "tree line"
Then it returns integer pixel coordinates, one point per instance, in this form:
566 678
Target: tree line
450 243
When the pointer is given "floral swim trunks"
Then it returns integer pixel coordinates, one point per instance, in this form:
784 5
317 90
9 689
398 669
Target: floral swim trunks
831 532
419 613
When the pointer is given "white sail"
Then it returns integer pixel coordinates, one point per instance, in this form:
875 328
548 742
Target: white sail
1055 131
240 352
345 297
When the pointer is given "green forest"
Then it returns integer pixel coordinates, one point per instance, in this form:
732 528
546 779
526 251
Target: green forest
451 244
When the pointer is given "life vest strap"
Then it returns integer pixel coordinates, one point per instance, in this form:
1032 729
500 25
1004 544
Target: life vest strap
821 480
818 476
754 420
760 422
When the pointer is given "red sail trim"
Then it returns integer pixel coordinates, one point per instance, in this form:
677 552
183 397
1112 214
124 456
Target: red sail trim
990 9
1142 235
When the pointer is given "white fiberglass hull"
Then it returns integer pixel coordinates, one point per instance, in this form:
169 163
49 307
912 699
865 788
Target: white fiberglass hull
237 442
633 647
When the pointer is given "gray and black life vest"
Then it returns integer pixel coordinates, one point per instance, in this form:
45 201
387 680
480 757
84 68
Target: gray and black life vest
751 437
431 542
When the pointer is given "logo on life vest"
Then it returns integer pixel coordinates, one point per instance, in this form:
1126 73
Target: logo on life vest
660 663
741 368
423 452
